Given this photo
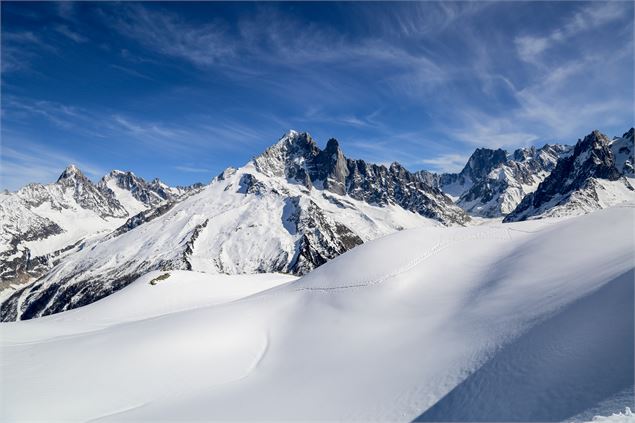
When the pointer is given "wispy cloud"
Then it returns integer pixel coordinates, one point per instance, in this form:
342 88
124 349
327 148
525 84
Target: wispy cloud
34 162
19 48
446 162
131 72
421 83
191 169
168 34
66 9
67 32
592 16
183 138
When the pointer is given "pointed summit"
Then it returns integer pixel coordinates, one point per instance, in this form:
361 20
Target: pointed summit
302 140
332 146
482 161
71 173
286 157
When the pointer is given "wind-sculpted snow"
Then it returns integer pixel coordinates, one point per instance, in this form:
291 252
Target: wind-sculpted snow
498 322
545 362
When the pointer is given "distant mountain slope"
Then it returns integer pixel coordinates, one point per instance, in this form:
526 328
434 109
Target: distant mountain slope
42 223
503 188
289 210
39 220
598 174
138 195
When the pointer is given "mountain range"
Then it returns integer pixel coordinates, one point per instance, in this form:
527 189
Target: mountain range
290 209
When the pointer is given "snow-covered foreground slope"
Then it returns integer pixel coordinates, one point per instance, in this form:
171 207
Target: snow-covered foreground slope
524 321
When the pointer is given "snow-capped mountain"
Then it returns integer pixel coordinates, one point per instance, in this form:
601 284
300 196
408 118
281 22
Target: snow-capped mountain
598 174
43 223
493 182
39 221
288 210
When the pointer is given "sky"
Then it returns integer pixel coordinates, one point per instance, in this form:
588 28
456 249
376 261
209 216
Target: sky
181 91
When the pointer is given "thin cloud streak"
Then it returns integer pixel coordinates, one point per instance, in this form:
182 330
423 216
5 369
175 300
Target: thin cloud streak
446 163
37 163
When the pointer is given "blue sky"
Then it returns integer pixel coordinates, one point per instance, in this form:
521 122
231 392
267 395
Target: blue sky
181 91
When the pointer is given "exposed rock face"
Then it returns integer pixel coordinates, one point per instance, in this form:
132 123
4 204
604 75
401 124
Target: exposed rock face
573 186
481 163
297 158
72 183
321 238
623 150
19 225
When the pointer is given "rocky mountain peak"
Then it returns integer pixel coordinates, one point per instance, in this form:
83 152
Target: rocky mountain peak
70 175
158 183
332 146
287 157
594 140
523 154
593 157
482 161
294 142
623 150
297 158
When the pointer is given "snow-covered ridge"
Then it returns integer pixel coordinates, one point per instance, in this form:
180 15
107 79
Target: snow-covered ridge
139 195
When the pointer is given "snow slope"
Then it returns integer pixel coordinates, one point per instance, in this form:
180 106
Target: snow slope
430 323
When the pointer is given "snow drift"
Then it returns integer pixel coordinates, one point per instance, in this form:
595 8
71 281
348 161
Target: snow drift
428 323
